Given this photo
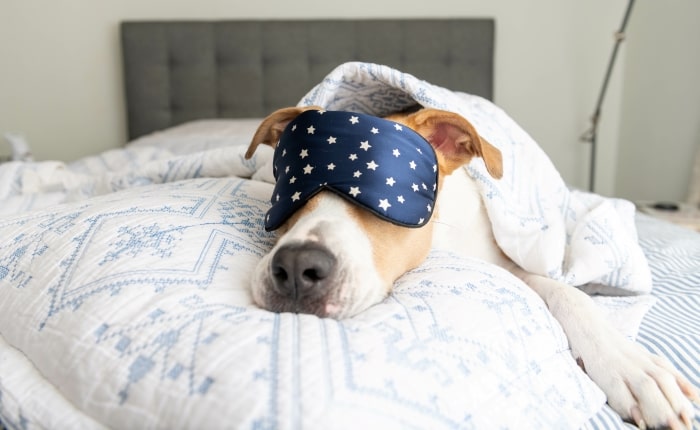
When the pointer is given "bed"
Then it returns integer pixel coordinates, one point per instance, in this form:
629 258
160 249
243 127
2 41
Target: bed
123 276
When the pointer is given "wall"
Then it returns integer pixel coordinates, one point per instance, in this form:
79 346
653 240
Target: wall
660 122
61 72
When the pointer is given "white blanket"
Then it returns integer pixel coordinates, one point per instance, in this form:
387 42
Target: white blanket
547 229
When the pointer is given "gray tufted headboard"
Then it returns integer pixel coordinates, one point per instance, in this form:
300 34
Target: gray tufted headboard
185 70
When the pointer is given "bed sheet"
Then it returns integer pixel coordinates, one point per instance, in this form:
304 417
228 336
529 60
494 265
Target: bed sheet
123 304
671 328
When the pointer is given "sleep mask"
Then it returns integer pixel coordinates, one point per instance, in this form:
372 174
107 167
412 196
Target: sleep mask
380 165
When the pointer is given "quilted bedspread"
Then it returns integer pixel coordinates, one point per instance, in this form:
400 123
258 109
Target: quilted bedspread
542 225
124 304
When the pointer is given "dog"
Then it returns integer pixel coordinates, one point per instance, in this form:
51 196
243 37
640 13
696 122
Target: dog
335 257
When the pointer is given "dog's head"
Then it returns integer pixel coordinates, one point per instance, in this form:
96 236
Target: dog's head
338 253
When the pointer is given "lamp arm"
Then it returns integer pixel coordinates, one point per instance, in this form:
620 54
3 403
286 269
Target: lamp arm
591 134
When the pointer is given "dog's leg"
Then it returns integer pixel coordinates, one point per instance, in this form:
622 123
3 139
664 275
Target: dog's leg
640 386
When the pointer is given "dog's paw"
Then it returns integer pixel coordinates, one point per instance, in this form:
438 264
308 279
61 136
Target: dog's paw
644 388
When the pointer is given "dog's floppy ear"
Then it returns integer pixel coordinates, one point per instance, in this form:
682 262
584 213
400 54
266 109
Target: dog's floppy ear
455 140
273 126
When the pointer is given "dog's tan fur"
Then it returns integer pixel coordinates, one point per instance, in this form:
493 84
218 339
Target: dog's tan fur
640 386
395 249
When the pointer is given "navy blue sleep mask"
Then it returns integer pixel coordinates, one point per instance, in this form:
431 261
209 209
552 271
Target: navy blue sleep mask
381 165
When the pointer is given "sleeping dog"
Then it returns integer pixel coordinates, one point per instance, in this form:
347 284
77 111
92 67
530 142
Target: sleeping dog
346 237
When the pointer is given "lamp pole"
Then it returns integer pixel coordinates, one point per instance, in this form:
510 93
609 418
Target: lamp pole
591 135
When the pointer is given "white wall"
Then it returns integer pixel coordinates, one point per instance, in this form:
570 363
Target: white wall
660 125
61 74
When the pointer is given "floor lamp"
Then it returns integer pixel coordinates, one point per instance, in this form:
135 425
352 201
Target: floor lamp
591 135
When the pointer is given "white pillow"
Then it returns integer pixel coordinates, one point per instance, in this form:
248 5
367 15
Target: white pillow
201 135
134 306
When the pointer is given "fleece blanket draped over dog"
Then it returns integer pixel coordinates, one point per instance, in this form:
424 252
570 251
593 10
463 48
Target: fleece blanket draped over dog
546 228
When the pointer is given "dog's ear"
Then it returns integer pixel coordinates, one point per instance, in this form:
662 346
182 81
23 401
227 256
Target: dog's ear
455 140
273 126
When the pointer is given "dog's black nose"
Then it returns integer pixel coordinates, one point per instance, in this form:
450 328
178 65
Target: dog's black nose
302 270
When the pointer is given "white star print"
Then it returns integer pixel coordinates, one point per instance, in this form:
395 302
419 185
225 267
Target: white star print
294 127
384 204
325 168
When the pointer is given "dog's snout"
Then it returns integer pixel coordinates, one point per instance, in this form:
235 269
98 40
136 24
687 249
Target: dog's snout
302 270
